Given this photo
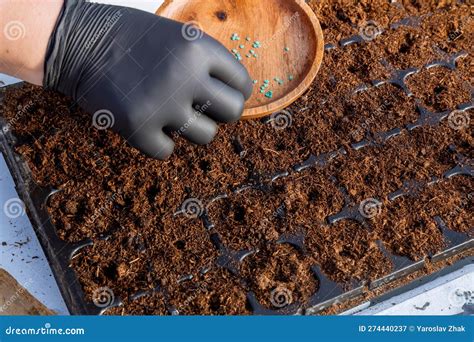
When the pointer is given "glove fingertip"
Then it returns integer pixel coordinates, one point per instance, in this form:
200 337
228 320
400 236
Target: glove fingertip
165 149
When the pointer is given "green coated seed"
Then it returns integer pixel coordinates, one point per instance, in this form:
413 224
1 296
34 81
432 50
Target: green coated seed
291 77
234 50
241 46
266 81
262 91
235 36
255 81
287 49
269 94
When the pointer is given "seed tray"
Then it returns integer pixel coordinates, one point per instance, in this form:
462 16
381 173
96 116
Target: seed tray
329 292
59 253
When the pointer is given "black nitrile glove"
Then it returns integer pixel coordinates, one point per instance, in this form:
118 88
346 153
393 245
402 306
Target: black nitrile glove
138 74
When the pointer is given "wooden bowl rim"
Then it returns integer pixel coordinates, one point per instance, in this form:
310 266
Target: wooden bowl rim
293 95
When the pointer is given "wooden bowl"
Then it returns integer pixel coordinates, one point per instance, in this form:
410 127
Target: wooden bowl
291 43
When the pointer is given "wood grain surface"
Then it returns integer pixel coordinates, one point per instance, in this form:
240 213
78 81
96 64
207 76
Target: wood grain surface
16 300
292 44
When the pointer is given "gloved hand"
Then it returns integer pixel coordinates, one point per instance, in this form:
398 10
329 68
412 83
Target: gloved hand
138 74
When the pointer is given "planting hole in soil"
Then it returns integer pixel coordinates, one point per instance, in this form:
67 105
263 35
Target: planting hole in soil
367 174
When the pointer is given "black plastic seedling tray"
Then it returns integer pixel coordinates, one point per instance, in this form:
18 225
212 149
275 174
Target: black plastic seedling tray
59 253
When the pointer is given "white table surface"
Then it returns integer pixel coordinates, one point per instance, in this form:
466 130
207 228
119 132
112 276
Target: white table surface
20 252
